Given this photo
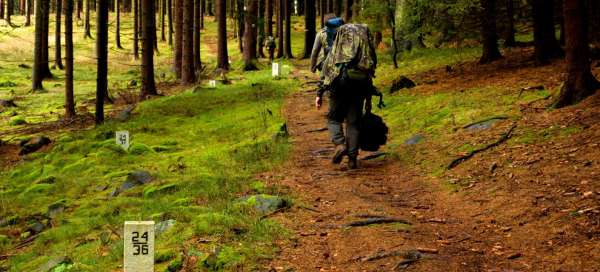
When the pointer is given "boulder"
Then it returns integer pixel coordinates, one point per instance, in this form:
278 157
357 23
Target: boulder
135 178
263 203
125 114
34 144
53 263
164 226
402 83
56 208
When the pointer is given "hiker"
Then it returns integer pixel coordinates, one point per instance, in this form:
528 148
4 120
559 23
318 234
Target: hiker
324 41
270 46
347 74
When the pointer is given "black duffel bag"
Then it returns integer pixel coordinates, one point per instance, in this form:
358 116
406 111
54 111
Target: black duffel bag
373 132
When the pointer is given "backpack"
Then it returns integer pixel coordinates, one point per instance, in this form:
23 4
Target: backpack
373 132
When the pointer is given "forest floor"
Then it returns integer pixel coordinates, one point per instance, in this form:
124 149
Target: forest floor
530 204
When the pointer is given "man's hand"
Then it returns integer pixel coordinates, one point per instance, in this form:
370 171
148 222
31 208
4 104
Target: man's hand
318 102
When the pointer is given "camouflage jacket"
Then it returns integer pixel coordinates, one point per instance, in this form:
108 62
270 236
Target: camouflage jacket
353 47
318 54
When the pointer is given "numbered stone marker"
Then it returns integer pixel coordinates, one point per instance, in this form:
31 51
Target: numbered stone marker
123 139
276 69
212 83
139 246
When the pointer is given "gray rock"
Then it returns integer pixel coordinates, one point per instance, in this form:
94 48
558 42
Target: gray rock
132 83
36 227
125 114
135 178
266 203
402 83
34 144
56 208
415 139
7 103
164 226
54 262
482 126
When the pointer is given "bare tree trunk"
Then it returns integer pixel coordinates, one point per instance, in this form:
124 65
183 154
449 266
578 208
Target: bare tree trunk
136 29
28 12
250 36
209 7
57 35
222 58
118 24
240 23
348 10
178 46
261 28
170 17
392 11
163 11
148 37
288 29
8 13
2 4
310 27
197 27
280 15
102 57
323 10
45 48
546 45
188 75
580 82
69 99
488 32
202 12
86 26
509 40
38 69
269 17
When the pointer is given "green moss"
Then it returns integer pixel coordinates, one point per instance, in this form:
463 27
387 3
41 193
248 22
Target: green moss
139 149
152 191
37 189
17 121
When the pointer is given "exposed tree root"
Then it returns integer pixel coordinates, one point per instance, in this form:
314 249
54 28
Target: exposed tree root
376 220
501 140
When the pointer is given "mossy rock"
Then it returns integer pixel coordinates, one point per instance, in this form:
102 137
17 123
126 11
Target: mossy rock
264 203
165 256
164 148
151 191
17 121
139 149
105 135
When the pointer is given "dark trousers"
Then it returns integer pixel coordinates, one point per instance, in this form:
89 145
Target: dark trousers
345 104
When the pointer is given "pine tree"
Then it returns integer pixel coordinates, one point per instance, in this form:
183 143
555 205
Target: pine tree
69 99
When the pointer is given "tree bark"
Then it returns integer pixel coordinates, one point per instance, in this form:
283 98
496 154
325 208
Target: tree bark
178 43
322 11
348 10
197 27
580 83
509 40
170 17
240 23
250 35
86 25
202 12
209 7
269 18
2 8
8 12
188 75
28 13
118 24
222 58
69 99
488 32
38 68
57 35
310 27
45 48
102 57
280 15
163 7
288 29
136 28
148 37
544 33
260 28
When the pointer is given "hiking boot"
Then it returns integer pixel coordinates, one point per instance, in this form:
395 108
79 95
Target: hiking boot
338 155
352 162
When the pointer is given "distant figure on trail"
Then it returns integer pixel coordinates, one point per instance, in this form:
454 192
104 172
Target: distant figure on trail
324 41
347 74
270 46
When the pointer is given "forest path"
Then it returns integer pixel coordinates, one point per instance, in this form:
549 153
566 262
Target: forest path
443 224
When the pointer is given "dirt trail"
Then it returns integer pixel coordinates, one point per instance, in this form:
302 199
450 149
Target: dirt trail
454 231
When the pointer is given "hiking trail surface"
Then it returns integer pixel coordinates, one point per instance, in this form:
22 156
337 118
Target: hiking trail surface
389 216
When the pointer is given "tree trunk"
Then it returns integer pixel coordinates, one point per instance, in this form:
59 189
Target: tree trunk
322 11
170 18
348 10
544 33
178 45
269 18
240 23
57 35
337 7
2 8
118 24
261 28
136 29
209 7
222 58
38 69
580 82
310 27
509 40
288 29
188 75
197 27
8 13
250 35
280 15
148 37
163 7
202 12
392 18
488 32
86 25
28 13
102 57
45 48
79 8
69 99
